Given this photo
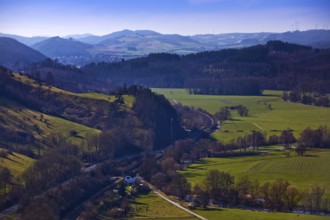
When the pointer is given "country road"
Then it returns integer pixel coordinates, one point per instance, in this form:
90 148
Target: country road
157 192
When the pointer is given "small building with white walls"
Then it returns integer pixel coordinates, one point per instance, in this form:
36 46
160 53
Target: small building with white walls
129 180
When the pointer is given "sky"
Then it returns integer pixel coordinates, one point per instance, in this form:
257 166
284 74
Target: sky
185 17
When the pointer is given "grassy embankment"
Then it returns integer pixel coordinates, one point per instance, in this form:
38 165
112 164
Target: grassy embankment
16 163
152 207
19 117
91 95
16 117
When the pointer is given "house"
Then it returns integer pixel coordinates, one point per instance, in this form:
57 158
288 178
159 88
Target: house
129 180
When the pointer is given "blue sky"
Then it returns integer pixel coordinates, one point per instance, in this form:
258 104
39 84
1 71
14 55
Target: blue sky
186 17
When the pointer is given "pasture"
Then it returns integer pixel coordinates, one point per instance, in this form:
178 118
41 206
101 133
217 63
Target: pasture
151 207
267 113
15 162
19 117
91 95
240 214
302 172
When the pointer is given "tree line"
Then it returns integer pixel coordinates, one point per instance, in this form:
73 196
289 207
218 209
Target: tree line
306 98
278 195
245 71
309 138
220 188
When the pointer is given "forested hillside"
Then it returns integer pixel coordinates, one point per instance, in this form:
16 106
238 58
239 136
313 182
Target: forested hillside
246 71
50 133
144 118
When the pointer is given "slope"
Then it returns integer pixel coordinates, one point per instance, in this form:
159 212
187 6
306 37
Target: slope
15 55
24 40
56 47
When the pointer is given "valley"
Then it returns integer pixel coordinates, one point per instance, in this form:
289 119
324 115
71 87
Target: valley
164 110
82 131
267 113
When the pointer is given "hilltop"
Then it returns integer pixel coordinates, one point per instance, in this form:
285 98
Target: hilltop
34 111
82 49
16 55
56 47
275 65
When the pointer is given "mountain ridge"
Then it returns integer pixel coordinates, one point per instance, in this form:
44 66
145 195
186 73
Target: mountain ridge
57 46
127 44
16 55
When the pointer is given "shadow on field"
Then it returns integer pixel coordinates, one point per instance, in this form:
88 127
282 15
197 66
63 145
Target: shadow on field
311 155
138 203
234 119
212 210
193 175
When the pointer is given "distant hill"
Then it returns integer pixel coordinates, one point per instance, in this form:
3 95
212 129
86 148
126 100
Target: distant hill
15 55
275 65
127 44
56 46
98 39
78 36
144 42
314 38
25 40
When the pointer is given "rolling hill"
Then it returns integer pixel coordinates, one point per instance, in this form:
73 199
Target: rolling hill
93 39
15 55
129 44
25 40
143 43
31 111
275 65
313 38
56 47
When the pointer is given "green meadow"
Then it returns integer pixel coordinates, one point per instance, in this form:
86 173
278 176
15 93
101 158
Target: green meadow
270 114
91 95
267 113
152 207
240 214
302 172
15 162
19 117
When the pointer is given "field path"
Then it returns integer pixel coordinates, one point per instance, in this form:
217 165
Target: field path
159 193
258 126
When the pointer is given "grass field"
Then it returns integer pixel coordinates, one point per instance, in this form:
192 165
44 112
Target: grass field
16 163
92 95
239 214
151 207
19 117
303 172
282 115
